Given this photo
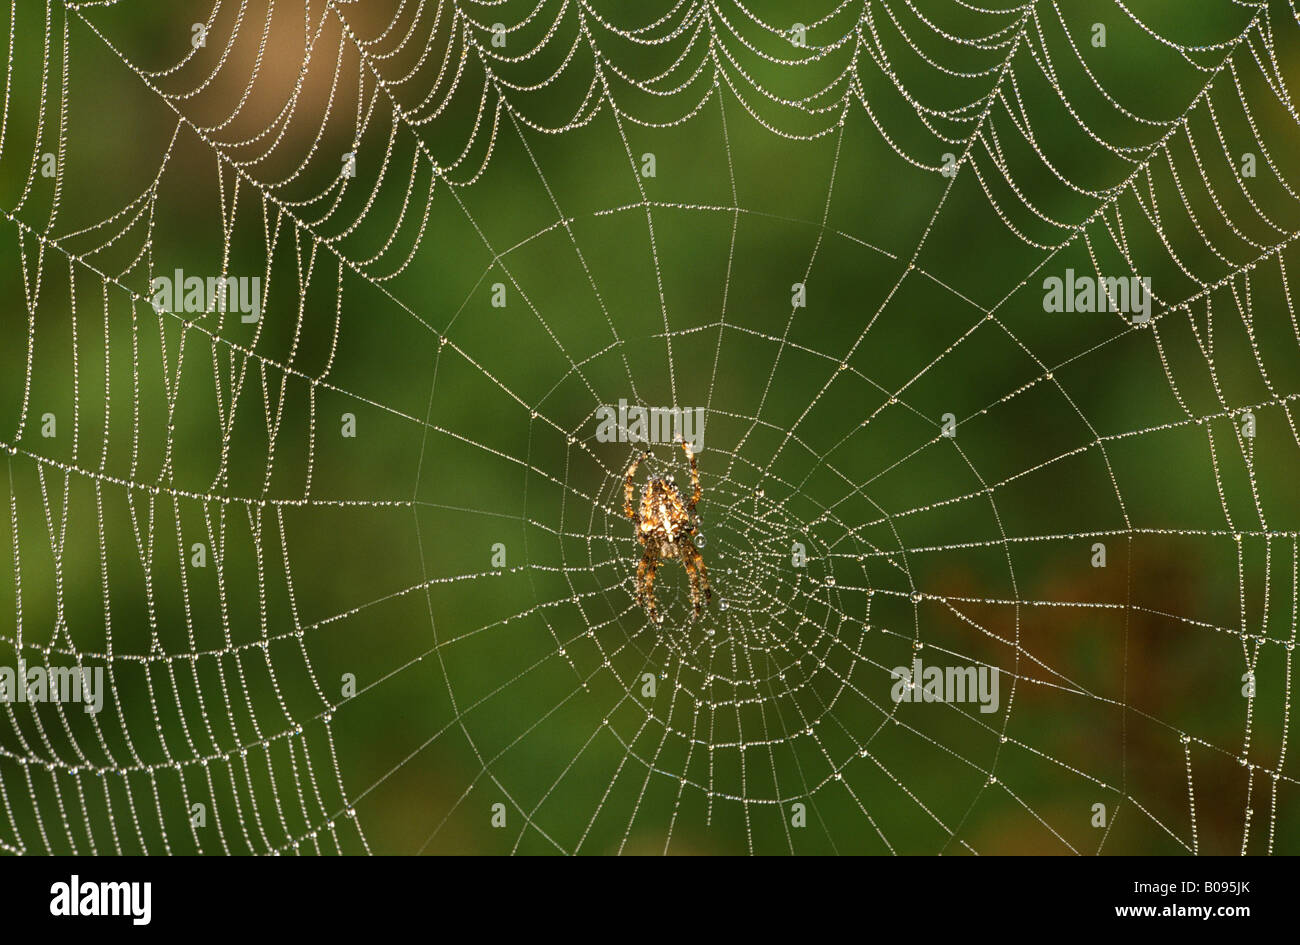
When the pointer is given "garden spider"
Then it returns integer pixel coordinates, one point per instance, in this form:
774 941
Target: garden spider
664 524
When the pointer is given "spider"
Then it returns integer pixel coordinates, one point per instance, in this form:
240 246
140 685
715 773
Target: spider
664 525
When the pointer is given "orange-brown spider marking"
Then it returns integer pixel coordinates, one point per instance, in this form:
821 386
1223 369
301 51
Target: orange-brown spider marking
665 521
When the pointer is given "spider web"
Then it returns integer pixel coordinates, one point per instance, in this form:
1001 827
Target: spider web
353 668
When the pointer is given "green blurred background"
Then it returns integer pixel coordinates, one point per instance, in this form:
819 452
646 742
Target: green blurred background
350 671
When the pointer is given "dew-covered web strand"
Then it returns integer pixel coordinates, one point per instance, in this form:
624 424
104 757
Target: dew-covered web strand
1013 336
1049 375
749 622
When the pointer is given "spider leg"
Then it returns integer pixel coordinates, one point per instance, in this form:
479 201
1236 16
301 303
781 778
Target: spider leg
629 487
694 576
698 560
645 584
695 475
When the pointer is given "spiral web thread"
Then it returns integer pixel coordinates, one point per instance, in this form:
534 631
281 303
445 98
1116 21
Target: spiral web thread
525 685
